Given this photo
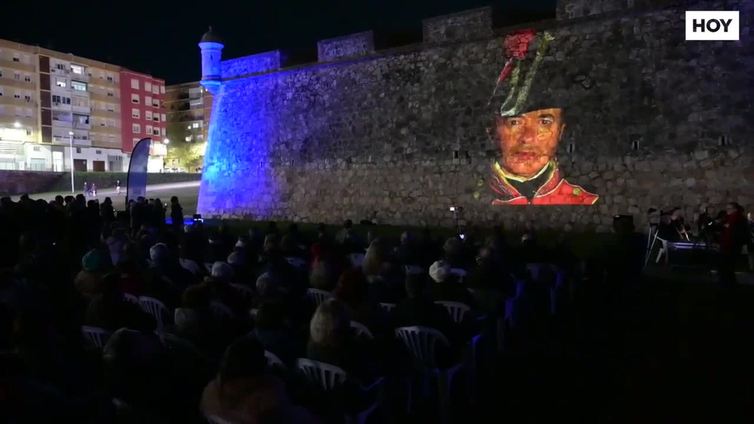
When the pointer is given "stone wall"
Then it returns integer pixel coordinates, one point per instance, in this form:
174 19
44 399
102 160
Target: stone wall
467 25
261 62
349 46
652 121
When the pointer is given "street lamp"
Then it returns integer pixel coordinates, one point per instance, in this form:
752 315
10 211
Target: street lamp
16 124
70 140
166 141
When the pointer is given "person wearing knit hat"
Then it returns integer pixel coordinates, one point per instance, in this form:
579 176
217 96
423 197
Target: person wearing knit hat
94 265
528 128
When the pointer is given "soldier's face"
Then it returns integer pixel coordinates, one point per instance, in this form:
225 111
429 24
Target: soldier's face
528 141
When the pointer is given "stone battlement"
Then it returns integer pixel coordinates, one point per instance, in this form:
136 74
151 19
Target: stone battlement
347 46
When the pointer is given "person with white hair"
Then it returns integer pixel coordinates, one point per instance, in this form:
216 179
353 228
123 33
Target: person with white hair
447 287
332 341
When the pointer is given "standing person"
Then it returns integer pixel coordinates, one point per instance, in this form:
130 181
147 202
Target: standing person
94 189
734 236
86 188
117 187
176 214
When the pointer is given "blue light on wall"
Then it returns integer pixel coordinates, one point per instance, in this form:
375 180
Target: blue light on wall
237 178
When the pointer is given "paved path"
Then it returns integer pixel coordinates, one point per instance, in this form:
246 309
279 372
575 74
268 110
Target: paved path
110 192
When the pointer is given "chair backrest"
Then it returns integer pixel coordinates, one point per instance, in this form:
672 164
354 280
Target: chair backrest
361 330
131 298
273 361
421 343
96 335
296 262
317 296
357 259
387 307
155 308
214 419
456 310
326 376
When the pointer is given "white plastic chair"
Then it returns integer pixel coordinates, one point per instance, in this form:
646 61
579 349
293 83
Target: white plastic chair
317 296
357 259
329 377
155 308
214 419
326 376
96 335
296 262
361 330
130 298
456 310
421 343
273 361
387 307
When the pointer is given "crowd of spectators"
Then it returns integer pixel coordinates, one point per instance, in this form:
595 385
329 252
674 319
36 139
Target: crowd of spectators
231 298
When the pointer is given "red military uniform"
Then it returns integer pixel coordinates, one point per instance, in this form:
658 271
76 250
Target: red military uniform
555 191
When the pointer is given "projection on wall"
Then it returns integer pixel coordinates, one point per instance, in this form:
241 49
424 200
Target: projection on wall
528 129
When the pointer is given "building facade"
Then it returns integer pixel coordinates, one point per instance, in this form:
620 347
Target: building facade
188 107
58 111
143 115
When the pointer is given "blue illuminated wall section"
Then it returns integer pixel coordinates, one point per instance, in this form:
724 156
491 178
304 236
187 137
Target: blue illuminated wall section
236 178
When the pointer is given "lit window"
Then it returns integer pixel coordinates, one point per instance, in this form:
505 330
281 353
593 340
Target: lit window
164 132
163 117
60 82
134 83
162 89
147 100
196 124
135 113
155 89
155 103
149 129
78 86
135 99
77 69
147 86
148 115
135 128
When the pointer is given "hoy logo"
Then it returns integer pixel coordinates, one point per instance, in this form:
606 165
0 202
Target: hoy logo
709 25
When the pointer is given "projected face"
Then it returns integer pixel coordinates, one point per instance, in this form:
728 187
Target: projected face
529 141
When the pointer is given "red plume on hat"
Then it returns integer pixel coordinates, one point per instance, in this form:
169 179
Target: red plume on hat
516 46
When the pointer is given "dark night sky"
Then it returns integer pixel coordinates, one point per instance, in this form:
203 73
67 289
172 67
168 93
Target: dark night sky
160 37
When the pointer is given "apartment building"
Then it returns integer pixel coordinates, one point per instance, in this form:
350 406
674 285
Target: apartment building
141 99
188 108
59 110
